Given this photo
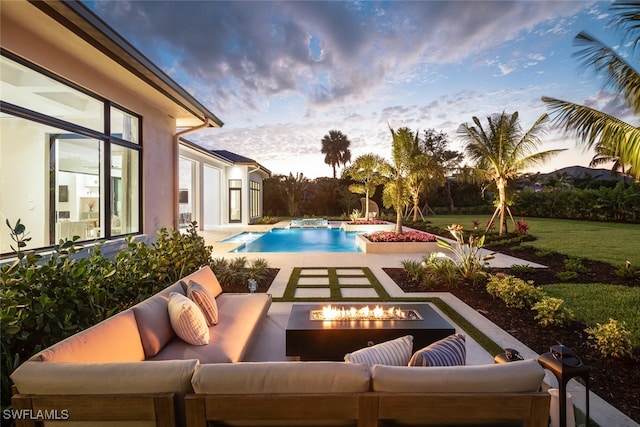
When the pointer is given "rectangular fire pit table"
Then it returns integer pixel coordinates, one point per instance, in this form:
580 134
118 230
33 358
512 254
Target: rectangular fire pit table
331 340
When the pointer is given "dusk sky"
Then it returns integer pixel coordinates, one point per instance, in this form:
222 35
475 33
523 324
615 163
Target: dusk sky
280 75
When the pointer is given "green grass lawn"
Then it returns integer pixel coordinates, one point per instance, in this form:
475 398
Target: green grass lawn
596 303
600 241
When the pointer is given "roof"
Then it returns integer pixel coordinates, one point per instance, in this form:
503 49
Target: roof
82 33
225 155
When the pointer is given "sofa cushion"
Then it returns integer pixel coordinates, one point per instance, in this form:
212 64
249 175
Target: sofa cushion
449 351
240 316
115 339
104 378
187 320
280 377
206 278
395 352
152 317
205 300
515 377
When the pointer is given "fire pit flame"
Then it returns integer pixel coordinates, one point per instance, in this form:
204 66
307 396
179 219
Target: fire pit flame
329 312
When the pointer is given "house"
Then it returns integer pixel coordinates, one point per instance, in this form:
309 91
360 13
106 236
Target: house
219 187
90 136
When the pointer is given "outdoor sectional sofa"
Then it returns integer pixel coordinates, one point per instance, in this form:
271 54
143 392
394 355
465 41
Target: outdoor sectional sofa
132 370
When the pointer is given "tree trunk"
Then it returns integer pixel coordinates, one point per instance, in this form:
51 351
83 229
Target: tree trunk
366 207
503 205
416 207
447 189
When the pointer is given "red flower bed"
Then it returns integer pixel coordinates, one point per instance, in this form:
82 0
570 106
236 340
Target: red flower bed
367 222
409 236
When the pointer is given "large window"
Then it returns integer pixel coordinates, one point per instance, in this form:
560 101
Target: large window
69 161
235 200
254 188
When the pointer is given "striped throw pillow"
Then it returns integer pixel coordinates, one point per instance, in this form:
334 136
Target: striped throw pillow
448 351
187 320
395 352
205 300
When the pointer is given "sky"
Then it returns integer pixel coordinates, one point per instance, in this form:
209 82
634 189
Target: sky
281 75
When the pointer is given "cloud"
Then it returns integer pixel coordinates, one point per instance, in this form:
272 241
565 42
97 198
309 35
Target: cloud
242 54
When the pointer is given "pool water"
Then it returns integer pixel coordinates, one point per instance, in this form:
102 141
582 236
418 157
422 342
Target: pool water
297 240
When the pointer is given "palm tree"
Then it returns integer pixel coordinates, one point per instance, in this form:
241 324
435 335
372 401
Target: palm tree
335 147
367 170
502 151
609 135
422 168
396 190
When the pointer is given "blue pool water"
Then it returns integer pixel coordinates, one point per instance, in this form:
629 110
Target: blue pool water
297 240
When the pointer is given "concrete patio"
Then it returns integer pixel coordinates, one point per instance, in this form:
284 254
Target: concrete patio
270 344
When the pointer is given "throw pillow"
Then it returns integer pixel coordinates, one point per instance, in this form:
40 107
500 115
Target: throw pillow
395 352
205 300
449 351
187 320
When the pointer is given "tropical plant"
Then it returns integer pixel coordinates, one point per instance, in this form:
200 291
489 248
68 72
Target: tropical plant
396 191
503 151
335 147
423 168
610 136
368 170
469 256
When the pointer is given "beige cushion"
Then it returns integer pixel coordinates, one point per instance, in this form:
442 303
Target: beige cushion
152 317
205 300
395 352
104 378
206 278
280 377
514 377
187 320
231 337
449 351
115 339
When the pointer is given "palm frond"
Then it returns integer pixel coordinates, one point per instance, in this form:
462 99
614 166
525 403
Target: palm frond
627 19
620 75
595 127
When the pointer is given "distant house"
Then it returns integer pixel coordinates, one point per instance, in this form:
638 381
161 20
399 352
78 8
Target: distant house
219 187
90 136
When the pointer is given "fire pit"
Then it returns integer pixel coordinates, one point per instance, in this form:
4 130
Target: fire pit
343 313
334 334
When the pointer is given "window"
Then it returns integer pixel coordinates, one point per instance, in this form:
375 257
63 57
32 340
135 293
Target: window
235 200
254 188
62 175
186 201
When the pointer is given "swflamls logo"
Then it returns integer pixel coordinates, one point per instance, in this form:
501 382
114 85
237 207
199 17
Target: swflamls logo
37 415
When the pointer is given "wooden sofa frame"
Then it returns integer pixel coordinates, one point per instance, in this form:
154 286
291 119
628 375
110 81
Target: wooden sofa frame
156 408
371 408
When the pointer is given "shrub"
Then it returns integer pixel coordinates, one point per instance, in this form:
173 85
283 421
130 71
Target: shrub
513 291
575 264
237 271
522 269
544 253
567 276
551 311
414 268
611 339
45 300
627 271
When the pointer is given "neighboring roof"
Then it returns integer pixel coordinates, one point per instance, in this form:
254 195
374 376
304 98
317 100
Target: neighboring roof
224 155
81 21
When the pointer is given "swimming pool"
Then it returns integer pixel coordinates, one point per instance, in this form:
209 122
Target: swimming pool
297 240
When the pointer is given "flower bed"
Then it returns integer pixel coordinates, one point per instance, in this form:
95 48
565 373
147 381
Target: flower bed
388 242
408 236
